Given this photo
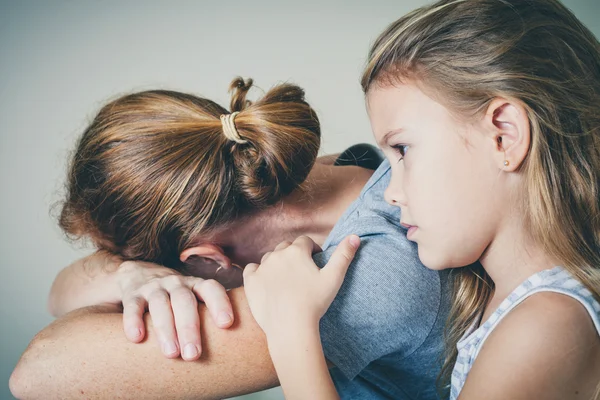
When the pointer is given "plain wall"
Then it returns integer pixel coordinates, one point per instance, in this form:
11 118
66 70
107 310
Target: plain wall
60 60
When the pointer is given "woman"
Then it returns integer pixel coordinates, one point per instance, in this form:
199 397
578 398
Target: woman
174 179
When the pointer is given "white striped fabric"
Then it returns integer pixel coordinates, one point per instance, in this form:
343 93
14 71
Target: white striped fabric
551 280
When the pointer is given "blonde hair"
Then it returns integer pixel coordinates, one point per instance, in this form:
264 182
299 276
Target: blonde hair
535 51
154 170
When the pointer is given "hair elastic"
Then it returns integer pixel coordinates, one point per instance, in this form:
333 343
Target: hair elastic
229 130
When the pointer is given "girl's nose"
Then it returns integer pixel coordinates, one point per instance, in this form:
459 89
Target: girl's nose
394 195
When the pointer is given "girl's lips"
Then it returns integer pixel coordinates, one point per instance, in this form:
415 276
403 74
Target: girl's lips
411 229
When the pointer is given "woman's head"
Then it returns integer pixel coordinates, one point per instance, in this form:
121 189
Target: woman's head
155 171
499 102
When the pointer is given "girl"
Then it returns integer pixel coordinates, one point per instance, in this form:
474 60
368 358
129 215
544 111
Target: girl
488 112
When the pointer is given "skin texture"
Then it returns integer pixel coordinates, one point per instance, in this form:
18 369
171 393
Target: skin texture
86 355
561 362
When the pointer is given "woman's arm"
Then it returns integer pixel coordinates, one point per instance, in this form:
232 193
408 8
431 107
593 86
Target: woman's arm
88 281
85 355
171 298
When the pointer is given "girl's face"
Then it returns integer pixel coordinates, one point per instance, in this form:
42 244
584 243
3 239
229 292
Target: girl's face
443 177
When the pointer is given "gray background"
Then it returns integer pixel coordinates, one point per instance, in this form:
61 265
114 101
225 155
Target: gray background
60 60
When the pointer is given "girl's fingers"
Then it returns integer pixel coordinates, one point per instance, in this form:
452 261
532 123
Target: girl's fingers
265 256
133 318
249 270
214 295
283 245
164 324
187 322
340 260
280 246
306 243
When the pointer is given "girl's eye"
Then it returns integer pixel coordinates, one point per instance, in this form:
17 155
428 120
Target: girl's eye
401 149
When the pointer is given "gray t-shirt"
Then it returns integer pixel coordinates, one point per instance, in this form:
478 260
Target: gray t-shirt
384 330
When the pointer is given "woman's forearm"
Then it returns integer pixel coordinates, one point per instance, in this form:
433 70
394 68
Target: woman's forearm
301 366
88 281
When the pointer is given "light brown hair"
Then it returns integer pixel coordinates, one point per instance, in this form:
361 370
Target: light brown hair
468 52
154 171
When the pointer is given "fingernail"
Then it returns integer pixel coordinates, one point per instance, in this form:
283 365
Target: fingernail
134 332
169 348
190 351
354 241
224 318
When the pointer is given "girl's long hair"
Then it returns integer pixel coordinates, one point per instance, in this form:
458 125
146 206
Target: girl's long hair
469 52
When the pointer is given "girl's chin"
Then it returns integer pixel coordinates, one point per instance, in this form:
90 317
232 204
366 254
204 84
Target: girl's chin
431 260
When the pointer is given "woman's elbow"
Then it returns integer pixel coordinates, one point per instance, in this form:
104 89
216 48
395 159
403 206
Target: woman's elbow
22 378
31 378
16 384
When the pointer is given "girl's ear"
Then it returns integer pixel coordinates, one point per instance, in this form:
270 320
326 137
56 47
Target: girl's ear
508 124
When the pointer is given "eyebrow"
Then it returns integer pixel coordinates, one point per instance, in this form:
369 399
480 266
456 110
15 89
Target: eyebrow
390 133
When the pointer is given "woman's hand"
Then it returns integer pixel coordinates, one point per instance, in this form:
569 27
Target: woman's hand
288 291
171 299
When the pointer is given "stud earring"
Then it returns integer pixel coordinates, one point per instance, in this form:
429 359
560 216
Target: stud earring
506 163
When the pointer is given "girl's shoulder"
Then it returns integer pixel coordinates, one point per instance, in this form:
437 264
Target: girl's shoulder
547 344
561 316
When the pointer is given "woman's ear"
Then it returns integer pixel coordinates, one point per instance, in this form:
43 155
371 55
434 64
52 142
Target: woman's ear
509 128
208 251
208 261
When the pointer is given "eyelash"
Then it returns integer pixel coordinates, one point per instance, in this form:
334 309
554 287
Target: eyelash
401 150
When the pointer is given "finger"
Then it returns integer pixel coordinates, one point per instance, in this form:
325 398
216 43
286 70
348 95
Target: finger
133 318
249 270
306 243
187 321
283 245
214 295
340 260
265 256
164 324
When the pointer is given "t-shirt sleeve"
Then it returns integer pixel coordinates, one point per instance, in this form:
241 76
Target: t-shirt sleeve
388 303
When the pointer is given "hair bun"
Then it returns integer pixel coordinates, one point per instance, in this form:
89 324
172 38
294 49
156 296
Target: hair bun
284 137
239 88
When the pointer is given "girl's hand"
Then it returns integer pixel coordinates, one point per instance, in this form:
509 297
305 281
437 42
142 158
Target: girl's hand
171 299
288 291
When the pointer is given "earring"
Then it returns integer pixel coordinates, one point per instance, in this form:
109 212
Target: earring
506 163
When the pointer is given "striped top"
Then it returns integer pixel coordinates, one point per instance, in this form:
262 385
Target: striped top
552 280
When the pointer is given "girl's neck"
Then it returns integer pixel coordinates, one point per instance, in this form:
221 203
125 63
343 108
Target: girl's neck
312 210
511 258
